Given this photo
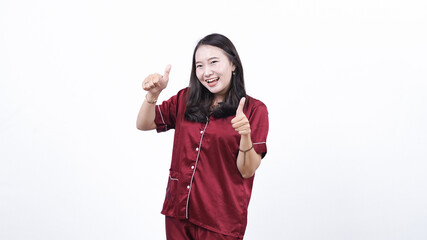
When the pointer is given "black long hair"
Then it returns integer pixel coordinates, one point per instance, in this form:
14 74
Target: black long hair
199 99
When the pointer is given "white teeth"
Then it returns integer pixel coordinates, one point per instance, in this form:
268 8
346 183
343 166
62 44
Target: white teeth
211 80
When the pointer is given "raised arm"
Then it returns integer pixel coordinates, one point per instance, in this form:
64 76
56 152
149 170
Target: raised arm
153 84
247 160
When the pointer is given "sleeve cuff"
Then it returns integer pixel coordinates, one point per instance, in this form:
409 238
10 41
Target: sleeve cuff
260 148
159 120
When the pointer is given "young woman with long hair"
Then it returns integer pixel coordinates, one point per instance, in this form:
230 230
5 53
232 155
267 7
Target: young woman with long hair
220 139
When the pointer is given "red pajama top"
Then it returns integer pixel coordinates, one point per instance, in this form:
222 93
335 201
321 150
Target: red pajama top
204 184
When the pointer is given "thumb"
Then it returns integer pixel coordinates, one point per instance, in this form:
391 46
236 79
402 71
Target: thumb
167 71
239 110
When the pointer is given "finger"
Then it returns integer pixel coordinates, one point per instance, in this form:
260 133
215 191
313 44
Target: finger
239 110
243 128
150 85
239 124
148 79
245 132
145 84
156 84
237 119
167 71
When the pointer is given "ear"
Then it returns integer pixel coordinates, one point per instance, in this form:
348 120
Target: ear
233 67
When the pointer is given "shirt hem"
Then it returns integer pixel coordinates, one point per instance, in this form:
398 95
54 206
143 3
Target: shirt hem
195 222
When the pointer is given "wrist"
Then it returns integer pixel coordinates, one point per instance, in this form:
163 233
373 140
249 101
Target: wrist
247 149
245 141
246 137
151 98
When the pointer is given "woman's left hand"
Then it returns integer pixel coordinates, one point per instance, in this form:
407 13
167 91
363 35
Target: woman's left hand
240 123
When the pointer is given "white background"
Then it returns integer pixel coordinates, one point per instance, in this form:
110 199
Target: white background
344 81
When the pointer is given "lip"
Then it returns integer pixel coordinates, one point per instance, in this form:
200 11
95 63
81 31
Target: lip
210 80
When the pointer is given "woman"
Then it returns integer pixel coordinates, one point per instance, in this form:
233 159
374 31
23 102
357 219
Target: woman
220 138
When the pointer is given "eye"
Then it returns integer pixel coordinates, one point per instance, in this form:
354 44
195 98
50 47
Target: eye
214 61
199 66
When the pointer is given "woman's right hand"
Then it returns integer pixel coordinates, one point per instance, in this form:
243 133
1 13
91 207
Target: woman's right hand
155 83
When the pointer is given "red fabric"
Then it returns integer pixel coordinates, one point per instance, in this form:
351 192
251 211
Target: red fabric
205 185
177 229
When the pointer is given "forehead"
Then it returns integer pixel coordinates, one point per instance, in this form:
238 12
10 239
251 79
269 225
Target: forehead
206 52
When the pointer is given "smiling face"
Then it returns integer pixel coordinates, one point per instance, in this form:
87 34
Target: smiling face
214 70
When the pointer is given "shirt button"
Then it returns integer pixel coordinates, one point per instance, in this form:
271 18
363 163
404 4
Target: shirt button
192 167
197 149
201 132
188 186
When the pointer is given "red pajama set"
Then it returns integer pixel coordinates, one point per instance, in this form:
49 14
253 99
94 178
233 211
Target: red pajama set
206 196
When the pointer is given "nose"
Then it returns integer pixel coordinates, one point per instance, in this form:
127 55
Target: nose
207 72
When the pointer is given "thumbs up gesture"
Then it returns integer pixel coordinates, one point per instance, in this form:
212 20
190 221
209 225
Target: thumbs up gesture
240 123
155 83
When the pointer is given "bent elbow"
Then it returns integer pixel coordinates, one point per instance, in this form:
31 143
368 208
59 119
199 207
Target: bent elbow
248 174
141 127
145 126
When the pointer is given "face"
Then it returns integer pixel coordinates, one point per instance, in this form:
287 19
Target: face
214 69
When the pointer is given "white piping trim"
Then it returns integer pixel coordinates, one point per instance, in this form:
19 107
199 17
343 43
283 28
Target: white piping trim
171 178
194 171
161 115
258 143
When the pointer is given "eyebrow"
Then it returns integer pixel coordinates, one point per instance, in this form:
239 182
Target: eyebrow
209 59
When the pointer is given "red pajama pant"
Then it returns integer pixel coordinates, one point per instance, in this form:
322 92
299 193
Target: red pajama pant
177 229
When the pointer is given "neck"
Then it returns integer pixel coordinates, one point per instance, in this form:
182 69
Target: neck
218 98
